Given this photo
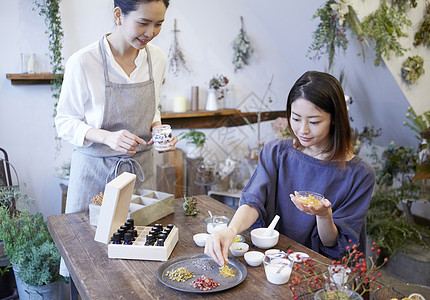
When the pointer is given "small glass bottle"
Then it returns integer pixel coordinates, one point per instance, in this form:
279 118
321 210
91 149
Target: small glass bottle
116 238
121 232
128 239
132 223
131 233
160 242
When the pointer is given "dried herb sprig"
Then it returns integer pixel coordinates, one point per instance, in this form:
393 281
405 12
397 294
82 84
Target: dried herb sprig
242 49
176 56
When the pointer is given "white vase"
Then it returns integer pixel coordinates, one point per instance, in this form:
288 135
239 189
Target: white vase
193 151
211 102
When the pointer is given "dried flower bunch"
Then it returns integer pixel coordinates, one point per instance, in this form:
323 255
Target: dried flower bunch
280 127
242 49
355 274
218 81
412 69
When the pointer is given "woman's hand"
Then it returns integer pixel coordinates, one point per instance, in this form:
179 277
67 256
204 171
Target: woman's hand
124 141
322 210
218 243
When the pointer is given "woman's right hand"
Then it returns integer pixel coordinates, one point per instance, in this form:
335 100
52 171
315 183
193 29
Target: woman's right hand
123 141
218 243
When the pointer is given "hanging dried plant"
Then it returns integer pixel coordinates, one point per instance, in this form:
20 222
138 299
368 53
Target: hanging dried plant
404 5
412 69
176 57
242 49
385 28
336 17
422 36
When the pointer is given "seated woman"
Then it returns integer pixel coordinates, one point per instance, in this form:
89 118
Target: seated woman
319 159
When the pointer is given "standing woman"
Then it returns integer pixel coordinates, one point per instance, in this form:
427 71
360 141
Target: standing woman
109 103
320 159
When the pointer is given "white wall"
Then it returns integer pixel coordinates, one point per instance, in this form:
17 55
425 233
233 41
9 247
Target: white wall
280 32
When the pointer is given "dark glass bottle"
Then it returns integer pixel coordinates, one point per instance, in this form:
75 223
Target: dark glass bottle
121 231
160 242
131 233
132 223
116 238
128 239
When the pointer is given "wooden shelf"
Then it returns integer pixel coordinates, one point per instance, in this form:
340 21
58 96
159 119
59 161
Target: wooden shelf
216 119
39 78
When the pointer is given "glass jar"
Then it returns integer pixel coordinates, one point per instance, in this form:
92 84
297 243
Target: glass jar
206 173
162 136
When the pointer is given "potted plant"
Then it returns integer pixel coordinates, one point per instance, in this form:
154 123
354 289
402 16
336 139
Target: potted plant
195 141
6 289
32 252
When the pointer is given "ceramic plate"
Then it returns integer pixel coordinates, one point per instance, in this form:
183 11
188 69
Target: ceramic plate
194 264
301 257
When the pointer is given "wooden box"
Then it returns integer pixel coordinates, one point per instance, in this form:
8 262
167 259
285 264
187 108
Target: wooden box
114 213
143 209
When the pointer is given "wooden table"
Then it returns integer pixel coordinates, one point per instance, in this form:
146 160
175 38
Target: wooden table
98 277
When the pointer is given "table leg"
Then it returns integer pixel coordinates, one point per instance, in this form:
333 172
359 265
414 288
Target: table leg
73 290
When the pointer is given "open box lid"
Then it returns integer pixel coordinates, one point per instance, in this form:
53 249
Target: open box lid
115 206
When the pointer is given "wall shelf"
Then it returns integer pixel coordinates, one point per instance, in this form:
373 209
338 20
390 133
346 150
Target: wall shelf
216 119
39 78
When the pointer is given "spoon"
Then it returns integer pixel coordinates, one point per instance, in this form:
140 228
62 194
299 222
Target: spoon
269 230
210 214
279 270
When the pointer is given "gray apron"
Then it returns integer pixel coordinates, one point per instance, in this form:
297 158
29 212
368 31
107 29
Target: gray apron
127 106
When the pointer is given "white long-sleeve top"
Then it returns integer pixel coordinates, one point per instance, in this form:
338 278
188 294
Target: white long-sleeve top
81 103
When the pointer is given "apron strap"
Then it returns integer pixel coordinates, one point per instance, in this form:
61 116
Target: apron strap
105 69
132 163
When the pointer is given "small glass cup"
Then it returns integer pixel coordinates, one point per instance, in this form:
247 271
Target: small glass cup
162 136
273 265
216 223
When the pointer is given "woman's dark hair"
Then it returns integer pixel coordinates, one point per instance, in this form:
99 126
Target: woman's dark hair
325 92
127 6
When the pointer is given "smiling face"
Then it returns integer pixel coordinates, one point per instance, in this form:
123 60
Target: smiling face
140 26
310 124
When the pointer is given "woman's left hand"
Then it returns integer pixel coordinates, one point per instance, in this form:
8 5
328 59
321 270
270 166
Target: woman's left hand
322 210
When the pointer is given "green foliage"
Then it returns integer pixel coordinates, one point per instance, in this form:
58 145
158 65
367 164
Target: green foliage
39 264
29 245
422 36
50 10
5 270
8 196
242 49
397 162
387 226
384 27
194 136
404 5
336 17
412 69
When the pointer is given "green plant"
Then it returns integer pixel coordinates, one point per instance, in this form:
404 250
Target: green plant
422 36
5 270
242 48
387 226
196 137
412 69
421 125
336 16
385 28
29 245
50 10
